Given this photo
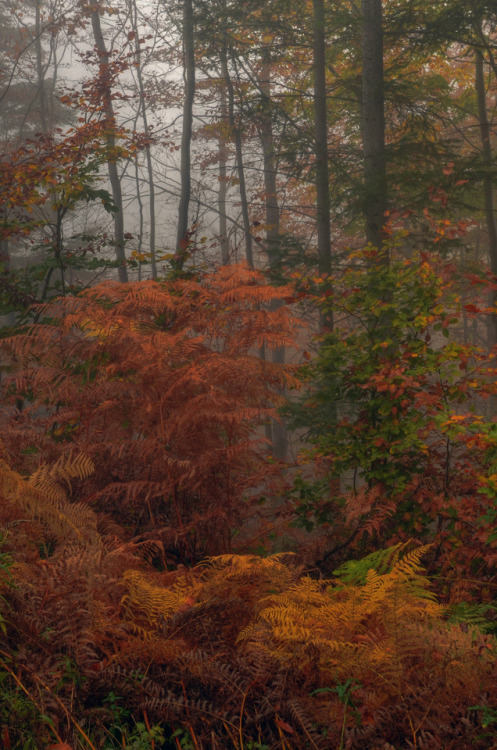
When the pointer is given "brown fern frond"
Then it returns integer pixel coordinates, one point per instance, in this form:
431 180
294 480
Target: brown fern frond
43 499
167 392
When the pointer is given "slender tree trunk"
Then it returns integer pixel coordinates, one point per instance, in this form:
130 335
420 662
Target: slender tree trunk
40 72
186 137
237 135
266 136
373 124
221 204
321 139
321 154
114 178
151 205
148 155
140 216
486 148
279 438
5 268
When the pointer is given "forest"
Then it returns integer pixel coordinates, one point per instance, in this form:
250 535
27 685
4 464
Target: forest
248 352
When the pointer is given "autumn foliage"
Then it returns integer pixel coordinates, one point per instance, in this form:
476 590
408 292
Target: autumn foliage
395 408
162 386
248 506
240 649
133 468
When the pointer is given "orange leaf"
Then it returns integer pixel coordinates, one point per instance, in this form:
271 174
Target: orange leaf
283 725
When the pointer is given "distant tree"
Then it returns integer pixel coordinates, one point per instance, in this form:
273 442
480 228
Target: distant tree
186 137
105 89
373 121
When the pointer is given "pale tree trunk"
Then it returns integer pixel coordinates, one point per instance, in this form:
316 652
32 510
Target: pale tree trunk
114 179
40 72
279 438
187 129
373 124
140 216
237 136
148 155
223 186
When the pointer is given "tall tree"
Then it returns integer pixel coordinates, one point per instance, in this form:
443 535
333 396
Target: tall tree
323 221
278 436
223 175
186 137
236 129
373 122
114 178
144 114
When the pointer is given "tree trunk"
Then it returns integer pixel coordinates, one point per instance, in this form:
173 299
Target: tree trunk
40 72
279 438
265 127
373 125
221 203
114 179
486 148
321 139
186 137
140 216
9 319
237 135
148 155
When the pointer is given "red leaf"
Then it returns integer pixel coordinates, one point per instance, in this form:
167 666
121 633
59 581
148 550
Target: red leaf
283 725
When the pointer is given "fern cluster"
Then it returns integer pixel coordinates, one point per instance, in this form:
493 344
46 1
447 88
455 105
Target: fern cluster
130 459
237 650
161 385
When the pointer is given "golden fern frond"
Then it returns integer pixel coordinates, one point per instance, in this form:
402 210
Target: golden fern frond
246 562
66 468
409 566
153 602
374 585
45 482
45 501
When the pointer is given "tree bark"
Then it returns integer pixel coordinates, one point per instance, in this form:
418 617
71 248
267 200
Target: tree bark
148 155
221 203
187 128
237 135
9 319
40 72
265 127
373 125
114 178
486 148
279 438
321 139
